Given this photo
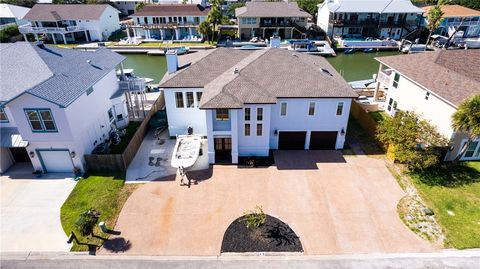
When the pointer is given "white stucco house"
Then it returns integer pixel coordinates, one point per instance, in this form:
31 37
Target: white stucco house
11 15
433 84
368 18
71 23
127 7
56 104
464 19
248 102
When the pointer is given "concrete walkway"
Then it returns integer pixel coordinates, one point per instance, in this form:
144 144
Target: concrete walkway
335 204
30 211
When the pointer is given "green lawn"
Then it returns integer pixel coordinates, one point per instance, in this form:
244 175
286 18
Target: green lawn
106 194
131 129
454 190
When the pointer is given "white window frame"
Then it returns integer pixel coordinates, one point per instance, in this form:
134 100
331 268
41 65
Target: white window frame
192 105
281 109
314 108
245 114
245 129
259 113
4 115
257 129
476 152
176 99
343 107
222 119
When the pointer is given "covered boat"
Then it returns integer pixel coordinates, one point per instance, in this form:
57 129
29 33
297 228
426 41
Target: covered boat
186 151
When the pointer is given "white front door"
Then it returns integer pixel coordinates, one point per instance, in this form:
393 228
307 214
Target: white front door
56 161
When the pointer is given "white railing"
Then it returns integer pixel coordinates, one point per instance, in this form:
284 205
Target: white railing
132 84
27 29
384 77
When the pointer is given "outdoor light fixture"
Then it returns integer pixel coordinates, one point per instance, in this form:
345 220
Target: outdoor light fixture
72 154
32 154
451 148
342 132
275 132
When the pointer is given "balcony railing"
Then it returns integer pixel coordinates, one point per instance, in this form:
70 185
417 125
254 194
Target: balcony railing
276 24
366 22
384 77
27 29
170 25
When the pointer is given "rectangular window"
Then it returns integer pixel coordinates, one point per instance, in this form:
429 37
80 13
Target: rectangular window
311 109
190 101
179 99
390 102
259 113
471 149
247 129
221 114
247 114
396 78
259 129
283 109
3 115
427 95
41 120
199 97
145 19
395 105
339 108
110 115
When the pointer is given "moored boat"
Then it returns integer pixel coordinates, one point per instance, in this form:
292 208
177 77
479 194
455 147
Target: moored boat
186 151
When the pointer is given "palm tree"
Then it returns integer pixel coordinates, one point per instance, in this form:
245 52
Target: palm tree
215 15
434 18
204 29
467 120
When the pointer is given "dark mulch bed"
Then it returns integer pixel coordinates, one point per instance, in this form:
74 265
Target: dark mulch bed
273 236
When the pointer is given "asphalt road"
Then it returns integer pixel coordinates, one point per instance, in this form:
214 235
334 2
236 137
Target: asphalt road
455 259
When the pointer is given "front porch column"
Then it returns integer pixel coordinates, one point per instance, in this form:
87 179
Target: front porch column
234 128
210 141
36 37
263 36
190 32
64 39
291 33
54 39
25 37
128 33
177 34
162 34
377 84
86 36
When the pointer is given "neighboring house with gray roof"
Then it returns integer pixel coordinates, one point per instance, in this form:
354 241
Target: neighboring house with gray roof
72 23
264 19
248 102
56 104
433 84
11 15
369 18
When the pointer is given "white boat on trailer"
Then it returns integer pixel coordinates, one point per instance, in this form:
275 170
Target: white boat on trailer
186 151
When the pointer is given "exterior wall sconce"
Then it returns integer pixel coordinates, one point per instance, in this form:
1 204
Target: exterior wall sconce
275 133
342 132
451 148
32 154
72 154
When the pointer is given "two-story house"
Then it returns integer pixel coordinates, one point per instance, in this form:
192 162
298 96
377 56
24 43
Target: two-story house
56 104
248 102
456 17
169 22
265 19
433 84
368 18
71 23
12 15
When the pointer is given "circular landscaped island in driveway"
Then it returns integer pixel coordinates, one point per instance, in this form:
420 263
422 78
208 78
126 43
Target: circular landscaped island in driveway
273 236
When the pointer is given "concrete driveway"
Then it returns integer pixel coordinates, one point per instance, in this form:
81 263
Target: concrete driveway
335 204
30 211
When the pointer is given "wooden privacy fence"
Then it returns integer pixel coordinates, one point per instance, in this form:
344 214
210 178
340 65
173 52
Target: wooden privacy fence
364 119
120 162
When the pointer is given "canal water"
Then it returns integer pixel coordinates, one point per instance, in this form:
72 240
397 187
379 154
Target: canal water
356 66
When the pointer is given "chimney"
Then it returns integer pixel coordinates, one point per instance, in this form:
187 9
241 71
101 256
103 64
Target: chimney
172 61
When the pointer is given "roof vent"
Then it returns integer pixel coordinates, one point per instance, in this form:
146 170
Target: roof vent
89 61
294 55
326 72
235 70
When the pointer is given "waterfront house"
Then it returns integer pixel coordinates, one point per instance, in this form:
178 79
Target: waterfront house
12 15
264 19
56 104
433 84
71 23
248 102
369 18
467 20
169 22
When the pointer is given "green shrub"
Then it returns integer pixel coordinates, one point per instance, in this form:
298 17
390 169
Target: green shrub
255 218
86 222
8 32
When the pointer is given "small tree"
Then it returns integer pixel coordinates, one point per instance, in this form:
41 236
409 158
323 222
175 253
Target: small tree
411 140
86 222
232 7
434 18
310 6
467 120
139 6
215 16
255 218
205 29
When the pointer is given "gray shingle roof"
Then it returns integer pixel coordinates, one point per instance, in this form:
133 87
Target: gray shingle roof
271 9
264 76
55 74
51 12
451 74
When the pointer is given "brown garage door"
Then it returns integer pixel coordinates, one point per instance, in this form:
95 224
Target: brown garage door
291 140
323 140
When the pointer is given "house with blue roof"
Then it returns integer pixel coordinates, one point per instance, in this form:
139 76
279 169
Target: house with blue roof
57 104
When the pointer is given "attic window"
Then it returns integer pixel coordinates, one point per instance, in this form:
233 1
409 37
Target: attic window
326 72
